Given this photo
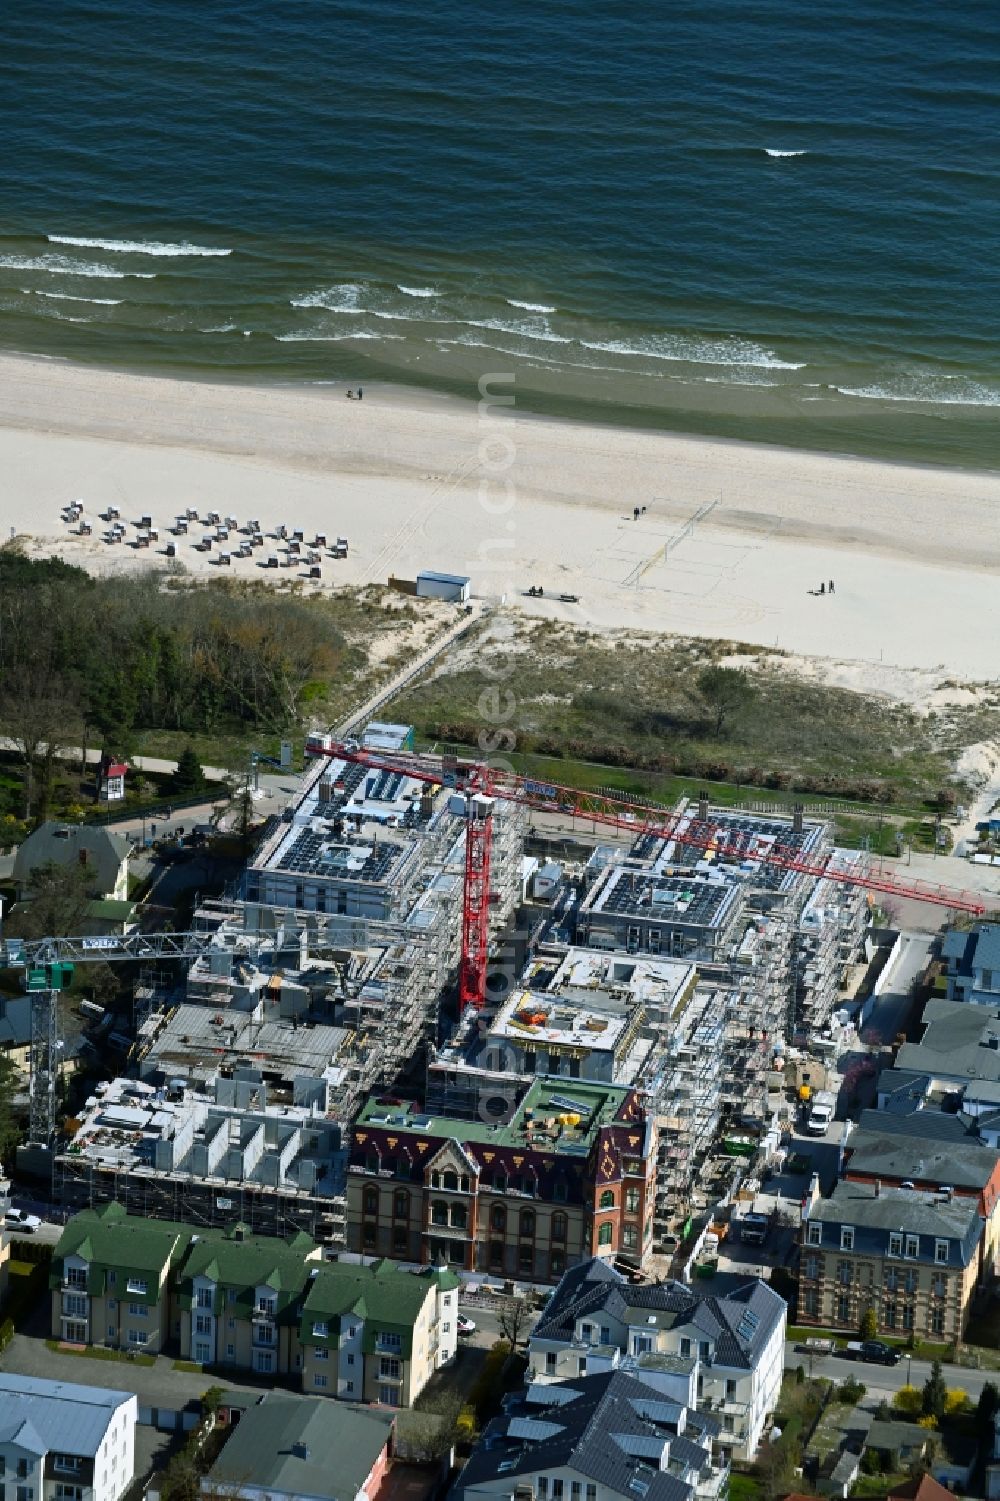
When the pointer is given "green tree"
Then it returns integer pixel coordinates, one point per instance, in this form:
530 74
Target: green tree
189 776
869 1323
56 900
986 1409
725 690
10 1130
935 1394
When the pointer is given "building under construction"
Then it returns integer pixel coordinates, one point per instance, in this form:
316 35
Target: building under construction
231 1154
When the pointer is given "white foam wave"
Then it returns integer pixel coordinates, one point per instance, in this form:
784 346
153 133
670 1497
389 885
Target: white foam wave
417 291
345 295
138 247
769 152
974 395
220 328
62 265
522 329
69 297
694 352
331 338
530 307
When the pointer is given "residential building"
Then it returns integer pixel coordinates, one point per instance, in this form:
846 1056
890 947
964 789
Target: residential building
959 1044
234 1301
63 1442
607 1437
102 855
551 1172
972 957
735 1342
289 1449
914 1259
930 1151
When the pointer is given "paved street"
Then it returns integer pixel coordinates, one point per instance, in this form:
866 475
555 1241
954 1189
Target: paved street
884 1380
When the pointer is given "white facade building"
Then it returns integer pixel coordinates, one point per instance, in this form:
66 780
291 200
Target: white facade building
63 1442
596 1320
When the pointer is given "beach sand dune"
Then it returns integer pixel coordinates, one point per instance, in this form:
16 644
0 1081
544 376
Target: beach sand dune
418 481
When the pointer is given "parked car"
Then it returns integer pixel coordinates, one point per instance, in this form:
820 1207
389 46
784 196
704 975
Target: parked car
466 1325
18 1219
873 1350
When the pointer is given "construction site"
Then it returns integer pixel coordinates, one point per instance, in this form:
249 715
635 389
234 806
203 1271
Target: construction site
687 958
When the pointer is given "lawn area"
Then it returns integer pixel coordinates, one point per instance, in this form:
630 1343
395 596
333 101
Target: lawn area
634 703
743 1487
91 1352
921 1350
877 1485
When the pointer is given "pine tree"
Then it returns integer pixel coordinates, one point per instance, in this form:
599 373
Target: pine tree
935 1393
189 776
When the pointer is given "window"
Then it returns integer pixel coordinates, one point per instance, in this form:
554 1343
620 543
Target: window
268 1307
909 1316
451 1181
137 1285
730 1391
500 1182
889 1316
321 1353
630 1237
76 1276
892 1281
230 1352
319 1379
631 1201
263 1362
203 1353
605 1235
557 1263
939 1285
498 1217
913 1245
401 1204
527 1222
459 1217
66 1462
368 1237
843 1308
941 1252
845 1273
575 1490
137 1311
814 1235
137 1336
321 1329
389 1368
526 1260
400 1240
810 1267
388 1341
685 1346
607 1200
112 1279
202 1323
591 1493
543 1487
435 1180
371 1201
557 1489
25 1493
75 1305
204 1297
23 1469
112 1331
550 1362
350 1360
847 1237
389 1396
439 1212
231 1297
642 1344
937 1319
812 1302
587 1332
911 1281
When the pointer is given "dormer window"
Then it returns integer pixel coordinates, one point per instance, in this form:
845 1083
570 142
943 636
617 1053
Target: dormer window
847 1237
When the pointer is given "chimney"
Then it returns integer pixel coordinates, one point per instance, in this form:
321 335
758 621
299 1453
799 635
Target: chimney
797 813
324 790
703 806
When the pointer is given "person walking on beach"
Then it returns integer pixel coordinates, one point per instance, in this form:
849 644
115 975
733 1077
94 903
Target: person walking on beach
360 393
831 586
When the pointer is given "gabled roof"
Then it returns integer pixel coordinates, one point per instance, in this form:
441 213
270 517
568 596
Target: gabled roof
876 1212
738 1324
110 1238
924 1488
54 843
947 1154
42 1415
304 1446
609 1428
250 1261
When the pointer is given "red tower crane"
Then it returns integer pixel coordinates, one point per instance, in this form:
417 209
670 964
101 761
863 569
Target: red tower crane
481 785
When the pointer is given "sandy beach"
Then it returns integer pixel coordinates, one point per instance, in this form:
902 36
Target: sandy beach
419 481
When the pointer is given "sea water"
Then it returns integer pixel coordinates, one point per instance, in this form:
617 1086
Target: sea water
774 221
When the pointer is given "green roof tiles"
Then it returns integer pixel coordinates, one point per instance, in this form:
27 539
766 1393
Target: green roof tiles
112 1241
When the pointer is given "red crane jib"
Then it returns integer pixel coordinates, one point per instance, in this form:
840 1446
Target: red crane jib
473 777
